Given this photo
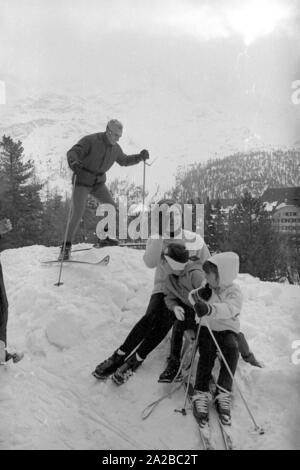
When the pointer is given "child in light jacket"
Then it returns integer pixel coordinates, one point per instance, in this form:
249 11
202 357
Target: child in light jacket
222 314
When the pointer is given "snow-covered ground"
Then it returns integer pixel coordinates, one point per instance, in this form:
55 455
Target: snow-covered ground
50 400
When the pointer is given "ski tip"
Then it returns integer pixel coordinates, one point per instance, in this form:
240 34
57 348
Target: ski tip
106 259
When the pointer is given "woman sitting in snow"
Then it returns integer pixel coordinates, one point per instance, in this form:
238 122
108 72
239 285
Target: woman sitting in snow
5 226
152 328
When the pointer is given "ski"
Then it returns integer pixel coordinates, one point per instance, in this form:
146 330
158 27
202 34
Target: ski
143 245
121 245
225 434
203 431
205 437
81 249
102 262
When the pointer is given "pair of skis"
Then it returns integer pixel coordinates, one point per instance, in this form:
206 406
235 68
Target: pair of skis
102 262
205 431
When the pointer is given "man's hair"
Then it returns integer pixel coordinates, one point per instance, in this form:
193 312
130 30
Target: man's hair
114 123
209 267
177 252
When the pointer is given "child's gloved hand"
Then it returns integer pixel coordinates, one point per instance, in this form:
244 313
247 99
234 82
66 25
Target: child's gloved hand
202 308
179 312
205 292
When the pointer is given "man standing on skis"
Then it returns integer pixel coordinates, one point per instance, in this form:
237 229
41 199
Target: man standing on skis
90 159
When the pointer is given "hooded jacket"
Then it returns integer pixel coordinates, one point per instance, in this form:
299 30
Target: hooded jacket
226 300
178 287
97 156
155 247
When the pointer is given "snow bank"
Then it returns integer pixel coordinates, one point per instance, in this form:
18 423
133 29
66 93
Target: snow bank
51 401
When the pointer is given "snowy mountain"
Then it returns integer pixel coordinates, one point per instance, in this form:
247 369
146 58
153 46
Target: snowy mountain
50 399
231 176
177 123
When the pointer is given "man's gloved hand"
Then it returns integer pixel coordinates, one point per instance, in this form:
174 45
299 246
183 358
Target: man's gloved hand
179 312
202 308
76 166
144 154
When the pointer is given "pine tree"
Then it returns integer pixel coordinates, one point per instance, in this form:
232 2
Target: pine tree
209 230
54 219
215 226
21 202
219 226
252 237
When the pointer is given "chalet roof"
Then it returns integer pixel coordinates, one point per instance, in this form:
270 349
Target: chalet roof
280 195
225 203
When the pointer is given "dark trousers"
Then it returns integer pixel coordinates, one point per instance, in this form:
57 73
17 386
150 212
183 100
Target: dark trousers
151 329
3 309
228 342
177 340
243 345
81 193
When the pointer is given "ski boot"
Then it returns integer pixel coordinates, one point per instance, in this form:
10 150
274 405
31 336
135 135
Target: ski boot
170 372
126 370
15 357
5 356
222 402
109 366
65 252
106 242
200 402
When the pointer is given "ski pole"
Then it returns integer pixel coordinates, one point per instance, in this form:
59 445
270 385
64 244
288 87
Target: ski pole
256 427
174 387
144 185
144 182
58 283
183 410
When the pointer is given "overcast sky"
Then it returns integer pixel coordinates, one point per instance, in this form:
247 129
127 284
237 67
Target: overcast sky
86 42
162 64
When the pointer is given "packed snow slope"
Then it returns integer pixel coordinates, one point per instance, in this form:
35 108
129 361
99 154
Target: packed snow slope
50 400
